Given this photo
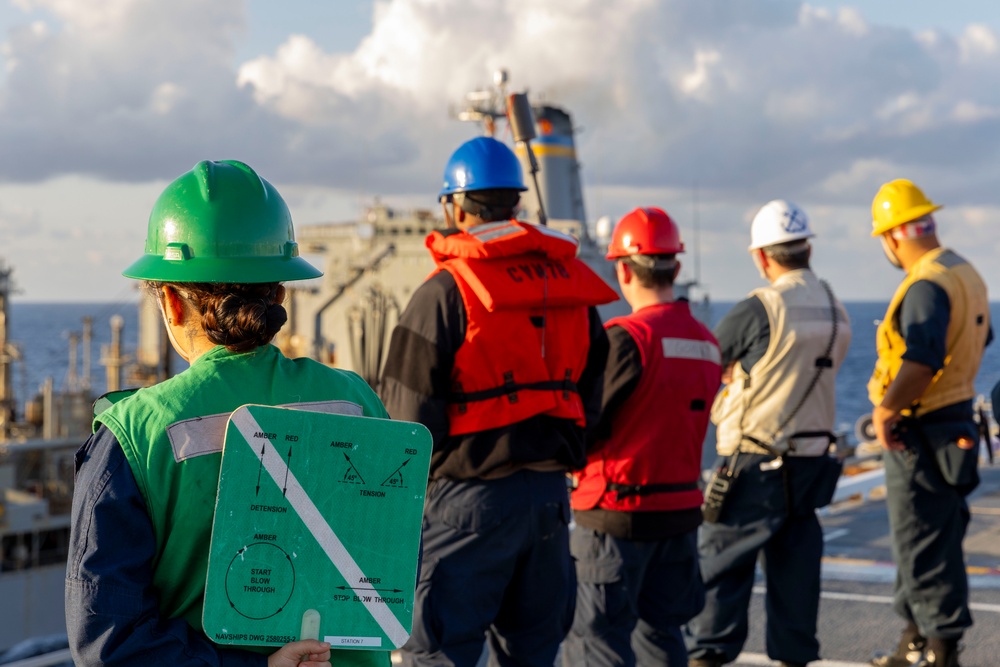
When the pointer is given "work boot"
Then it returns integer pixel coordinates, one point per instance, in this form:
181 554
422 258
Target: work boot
706 662
909 651
940 653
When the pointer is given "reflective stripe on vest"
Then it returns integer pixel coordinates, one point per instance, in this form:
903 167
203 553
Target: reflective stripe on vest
204 435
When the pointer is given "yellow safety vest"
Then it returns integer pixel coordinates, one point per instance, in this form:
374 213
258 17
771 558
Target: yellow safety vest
968 327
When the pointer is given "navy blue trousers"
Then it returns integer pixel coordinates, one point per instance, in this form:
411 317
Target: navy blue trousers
496 568
632 598
756 523
928 517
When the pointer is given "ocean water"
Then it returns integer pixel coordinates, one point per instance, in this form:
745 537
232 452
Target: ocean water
42 333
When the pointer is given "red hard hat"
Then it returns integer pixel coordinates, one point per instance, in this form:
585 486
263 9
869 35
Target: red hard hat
645 231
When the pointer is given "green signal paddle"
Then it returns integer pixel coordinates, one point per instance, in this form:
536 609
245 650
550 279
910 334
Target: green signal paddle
317 529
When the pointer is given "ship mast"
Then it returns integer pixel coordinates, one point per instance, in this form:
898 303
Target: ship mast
6 357
486 106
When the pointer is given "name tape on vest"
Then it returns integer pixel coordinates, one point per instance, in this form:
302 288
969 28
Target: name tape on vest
683 348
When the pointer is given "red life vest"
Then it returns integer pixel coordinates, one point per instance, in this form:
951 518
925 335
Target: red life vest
526 298
652 461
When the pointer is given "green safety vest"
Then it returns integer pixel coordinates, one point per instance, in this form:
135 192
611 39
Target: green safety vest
172 435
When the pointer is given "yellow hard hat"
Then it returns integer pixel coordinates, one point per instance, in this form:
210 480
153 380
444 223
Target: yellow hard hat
897 203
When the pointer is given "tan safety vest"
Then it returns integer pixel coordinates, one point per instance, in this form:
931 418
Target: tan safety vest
757 403
968 328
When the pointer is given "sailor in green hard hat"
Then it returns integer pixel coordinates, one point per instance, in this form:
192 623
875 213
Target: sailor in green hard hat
219 244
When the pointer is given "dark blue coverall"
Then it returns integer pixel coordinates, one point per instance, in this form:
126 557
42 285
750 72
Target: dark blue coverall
756 522
496 567
927 483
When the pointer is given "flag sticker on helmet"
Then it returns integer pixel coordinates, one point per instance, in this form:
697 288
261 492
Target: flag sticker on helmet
683 348
914 230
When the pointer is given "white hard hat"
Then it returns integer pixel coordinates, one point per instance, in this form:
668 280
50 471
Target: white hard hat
778 221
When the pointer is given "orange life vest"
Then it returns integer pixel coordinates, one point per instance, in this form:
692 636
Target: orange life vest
652 461
526 298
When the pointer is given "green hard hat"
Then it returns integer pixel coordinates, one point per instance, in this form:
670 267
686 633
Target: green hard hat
221 223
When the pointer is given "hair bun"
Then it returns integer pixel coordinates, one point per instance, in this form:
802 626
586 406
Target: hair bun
240 316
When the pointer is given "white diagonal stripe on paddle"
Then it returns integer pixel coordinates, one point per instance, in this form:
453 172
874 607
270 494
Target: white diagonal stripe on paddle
303 505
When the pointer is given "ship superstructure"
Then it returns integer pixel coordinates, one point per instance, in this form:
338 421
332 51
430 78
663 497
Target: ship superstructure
373 265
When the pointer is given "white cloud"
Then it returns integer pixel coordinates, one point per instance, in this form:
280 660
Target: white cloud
300 83
852 21
697 82
18 222
751 100
856 179
981 216
967 111
977 42
774 96
118 89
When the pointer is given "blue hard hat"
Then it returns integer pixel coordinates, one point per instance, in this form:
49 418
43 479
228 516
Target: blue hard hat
482 163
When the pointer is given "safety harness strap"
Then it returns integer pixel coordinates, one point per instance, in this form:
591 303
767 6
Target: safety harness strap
510 388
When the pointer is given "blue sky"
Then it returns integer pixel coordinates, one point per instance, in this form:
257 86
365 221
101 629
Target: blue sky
924 14
104 101
953 16
341 25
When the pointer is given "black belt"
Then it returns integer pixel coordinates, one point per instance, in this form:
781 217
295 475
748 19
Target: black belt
789 452
626 490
